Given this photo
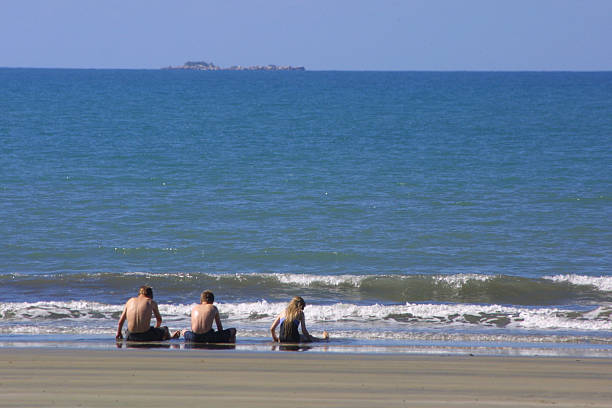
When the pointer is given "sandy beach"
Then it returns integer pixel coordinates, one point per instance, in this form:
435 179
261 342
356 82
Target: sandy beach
145 378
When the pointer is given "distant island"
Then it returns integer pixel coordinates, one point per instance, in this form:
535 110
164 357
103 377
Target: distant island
209 66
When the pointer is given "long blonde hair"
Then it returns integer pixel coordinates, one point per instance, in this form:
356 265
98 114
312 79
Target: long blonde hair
293 312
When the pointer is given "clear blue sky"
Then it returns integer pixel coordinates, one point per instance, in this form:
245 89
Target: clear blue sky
317 34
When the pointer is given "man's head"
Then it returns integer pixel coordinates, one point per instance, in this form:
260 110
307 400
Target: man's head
146 291
207 297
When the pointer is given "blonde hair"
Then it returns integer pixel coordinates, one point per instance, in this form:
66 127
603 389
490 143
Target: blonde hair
293 312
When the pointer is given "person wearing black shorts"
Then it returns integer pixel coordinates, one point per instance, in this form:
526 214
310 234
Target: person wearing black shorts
202 317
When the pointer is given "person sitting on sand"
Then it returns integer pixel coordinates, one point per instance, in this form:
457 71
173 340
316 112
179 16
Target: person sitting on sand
202 317
138 312
290 320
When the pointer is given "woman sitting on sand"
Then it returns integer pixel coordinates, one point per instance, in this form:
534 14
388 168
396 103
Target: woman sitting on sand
290 320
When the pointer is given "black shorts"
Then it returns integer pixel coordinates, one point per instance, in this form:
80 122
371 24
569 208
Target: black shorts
211 336
153 334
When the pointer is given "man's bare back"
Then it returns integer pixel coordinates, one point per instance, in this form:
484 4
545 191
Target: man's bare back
202 317
139 311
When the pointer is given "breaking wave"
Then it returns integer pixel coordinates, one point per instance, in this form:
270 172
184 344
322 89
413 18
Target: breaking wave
181 287
400 319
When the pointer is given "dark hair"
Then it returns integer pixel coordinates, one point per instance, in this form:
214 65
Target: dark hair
146 290
207 296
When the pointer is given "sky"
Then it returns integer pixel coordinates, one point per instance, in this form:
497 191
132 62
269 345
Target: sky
397 35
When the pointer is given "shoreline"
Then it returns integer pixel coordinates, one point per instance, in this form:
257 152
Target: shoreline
50 377
257 345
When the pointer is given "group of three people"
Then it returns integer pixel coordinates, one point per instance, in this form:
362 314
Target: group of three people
139 310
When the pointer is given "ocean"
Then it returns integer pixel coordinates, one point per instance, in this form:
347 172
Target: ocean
415 212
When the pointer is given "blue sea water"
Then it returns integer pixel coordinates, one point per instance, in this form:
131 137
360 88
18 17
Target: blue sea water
412 210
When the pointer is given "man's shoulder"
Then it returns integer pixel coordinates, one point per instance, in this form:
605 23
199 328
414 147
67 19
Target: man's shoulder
142 300
205 307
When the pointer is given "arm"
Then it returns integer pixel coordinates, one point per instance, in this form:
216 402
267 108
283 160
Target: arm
273 328
158 317
119 335
194 319
218 320
304 330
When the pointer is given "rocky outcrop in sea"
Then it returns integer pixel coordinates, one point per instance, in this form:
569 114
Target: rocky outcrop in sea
209 66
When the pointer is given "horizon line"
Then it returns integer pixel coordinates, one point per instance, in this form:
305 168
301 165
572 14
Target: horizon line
324 70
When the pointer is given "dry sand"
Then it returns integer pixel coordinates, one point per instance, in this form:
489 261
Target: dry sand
209 378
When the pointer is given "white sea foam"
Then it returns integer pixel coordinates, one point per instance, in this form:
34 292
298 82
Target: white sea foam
460 279
86 315
309 280
430 314
306 280
603 283
46 309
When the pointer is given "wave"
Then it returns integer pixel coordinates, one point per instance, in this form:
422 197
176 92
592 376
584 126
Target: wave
79 315
178 287
602 283
413 314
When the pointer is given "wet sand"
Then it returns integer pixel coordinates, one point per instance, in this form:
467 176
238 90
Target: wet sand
213 378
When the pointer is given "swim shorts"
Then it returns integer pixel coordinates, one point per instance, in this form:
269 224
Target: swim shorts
211 336
153 334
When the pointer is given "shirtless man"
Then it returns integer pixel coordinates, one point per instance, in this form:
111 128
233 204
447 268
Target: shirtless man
138 312
202 317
